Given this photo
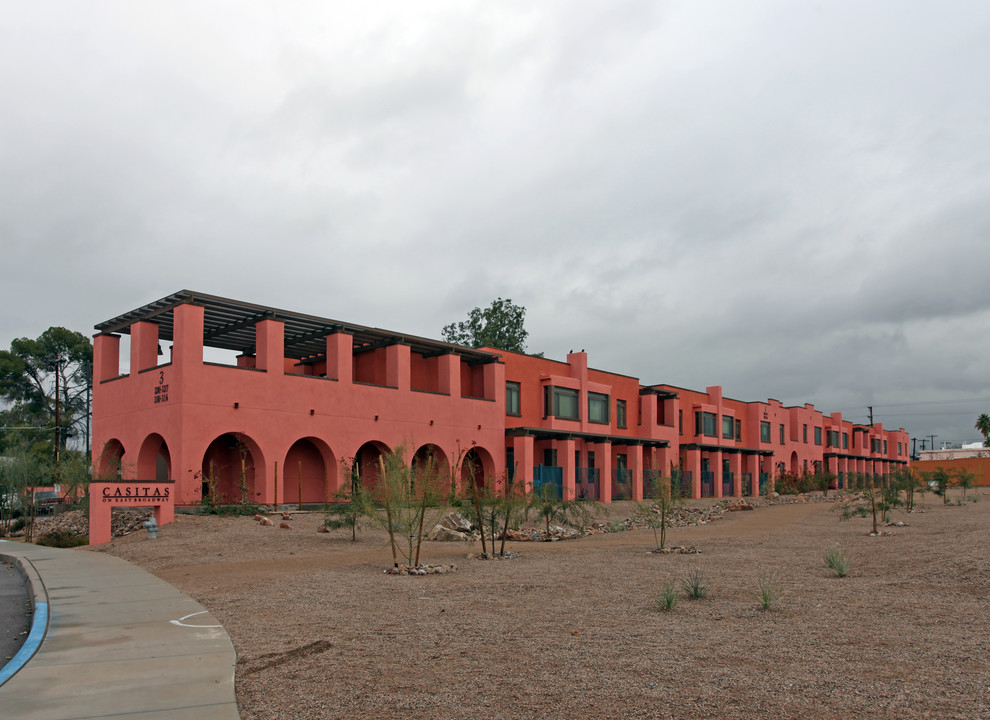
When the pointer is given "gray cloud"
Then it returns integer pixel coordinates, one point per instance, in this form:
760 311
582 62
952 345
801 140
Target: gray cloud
788 199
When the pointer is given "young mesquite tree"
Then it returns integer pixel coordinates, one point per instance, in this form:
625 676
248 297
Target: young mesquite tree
657 512
545 504
411 503
350 503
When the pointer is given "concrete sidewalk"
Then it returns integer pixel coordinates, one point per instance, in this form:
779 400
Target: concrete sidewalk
119 643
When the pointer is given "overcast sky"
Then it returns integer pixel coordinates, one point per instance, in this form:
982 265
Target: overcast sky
789 199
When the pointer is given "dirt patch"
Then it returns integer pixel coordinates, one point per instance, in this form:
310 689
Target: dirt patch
570 630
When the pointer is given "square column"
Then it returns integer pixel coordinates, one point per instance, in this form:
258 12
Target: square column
398 366
565 458
735 467
449 370
144 346
603 461
187 335
635 459
106 357
523 450
340 357
269 339
693 466
717 474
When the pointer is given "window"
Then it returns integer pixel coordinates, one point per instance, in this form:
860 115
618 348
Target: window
884 447
704 424
845 441
598 408
764 431
680 421
738 429
512 398
898 449
620 413
875 445
804 428
561 403
728 427
818 436
510 464
833 438
782 434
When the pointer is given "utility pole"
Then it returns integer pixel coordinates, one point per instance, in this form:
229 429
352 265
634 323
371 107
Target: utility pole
58 423
923 444
914 447
870 408
933 440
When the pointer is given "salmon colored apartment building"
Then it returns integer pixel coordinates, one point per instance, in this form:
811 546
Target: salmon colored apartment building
307 400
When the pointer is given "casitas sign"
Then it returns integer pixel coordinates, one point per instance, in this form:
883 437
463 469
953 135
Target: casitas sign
143 493
130 493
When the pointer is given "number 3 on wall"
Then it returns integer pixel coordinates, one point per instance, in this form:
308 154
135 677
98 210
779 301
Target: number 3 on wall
161 377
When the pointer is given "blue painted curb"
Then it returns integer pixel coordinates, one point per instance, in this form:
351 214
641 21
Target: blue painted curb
39 624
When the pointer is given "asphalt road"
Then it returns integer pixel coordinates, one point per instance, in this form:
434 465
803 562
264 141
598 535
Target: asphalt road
15 615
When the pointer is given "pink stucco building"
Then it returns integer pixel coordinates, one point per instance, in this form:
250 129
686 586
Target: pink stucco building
302 397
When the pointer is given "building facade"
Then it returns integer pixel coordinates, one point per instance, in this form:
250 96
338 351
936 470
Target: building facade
308 401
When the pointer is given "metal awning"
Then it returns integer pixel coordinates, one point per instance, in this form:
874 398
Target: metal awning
229 325
548 434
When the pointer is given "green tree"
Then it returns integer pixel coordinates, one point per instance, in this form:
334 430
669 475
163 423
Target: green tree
30 373
500 325
983 425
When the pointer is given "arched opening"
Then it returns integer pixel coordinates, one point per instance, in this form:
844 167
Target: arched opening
228 471
477 467
307 473
430 468
795 464
367 468
154 459
111 461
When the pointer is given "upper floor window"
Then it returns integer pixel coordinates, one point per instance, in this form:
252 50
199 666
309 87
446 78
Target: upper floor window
598 408
738 429
728 427
512 398
845 441
764 431
620 413
804 429
781 433
705 424
818 436
561 403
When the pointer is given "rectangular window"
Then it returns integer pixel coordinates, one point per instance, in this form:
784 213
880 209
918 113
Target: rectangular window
804 428
680 422
598 408
833 438
738 429
884 447
510 464
565 404
764 431
818 436
845 441
705 424
782 434
898 449
620 413
512 398
728 427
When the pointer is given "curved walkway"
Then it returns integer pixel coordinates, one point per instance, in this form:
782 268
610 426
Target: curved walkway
118 643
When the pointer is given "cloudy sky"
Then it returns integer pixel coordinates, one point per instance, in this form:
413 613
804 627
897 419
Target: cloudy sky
790 199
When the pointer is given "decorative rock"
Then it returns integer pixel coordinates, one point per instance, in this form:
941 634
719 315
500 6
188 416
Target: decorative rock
284 526
266 521
286 516
444 534
322 529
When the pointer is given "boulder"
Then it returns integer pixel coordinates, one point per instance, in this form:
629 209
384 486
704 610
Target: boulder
265 521
284 526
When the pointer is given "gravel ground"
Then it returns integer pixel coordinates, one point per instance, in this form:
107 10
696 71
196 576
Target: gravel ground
569 629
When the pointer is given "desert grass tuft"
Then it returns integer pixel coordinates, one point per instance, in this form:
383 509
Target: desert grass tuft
835 561
696 584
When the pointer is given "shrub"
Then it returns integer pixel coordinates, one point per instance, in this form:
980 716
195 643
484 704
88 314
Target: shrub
667 599
835 561
770 591
61 539
695 584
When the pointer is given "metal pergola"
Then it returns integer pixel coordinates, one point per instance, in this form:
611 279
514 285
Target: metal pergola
229 325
